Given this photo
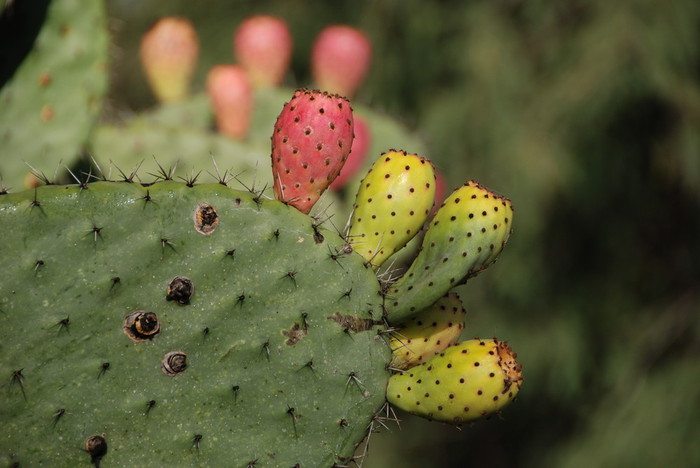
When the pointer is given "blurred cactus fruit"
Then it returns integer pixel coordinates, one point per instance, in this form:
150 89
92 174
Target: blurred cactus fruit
428 333
358 154
263 46
169 52
466 235
466 382
231 96
340 59
391 205
440 190
310 143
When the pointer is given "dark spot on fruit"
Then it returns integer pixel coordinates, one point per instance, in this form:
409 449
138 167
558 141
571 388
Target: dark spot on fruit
141 326
174 363
180 289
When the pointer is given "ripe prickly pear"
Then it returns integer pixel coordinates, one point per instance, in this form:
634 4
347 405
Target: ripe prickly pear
393 202
169 52
428 333
263 46
311 141
340 59
468 381
231 96
358 154
466 235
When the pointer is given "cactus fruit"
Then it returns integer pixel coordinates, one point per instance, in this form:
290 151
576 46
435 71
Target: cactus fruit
231 96
52 101
427 333
340 59
466 235
468 381
263 46
258 364
392 203
169 53
356 159
310 142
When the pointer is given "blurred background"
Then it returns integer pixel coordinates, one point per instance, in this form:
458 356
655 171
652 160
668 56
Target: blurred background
587 115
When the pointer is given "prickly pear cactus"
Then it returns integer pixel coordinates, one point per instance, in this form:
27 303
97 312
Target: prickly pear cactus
175 325
50 104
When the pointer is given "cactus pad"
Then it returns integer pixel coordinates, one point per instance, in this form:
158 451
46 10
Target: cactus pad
168 325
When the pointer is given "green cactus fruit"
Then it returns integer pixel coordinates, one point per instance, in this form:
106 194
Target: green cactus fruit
263 46
468 381
167 325
311 140
49 106
391 205
427 333
466 235
169 52
231 96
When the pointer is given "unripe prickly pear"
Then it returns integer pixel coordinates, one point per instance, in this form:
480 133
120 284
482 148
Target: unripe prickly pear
428 333
231 96
340 59
358 154
393 202
468 381
169 52
466 235
263 46
311 141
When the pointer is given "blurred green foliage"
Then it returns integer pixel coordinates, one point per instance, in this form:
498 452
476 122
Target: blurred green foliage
586 113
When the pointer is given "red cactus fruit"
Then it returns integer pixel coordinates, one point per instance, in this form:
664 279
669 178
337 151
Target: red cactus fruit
340 59
310 143
263 46
231 96
360 148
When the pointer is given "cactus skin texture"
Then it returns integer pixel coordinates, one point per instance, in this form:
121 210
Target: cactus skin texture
391 205
466 235
428 332
340 59
263 46
49 106
231 96
468 381
310 143
254 365
169 53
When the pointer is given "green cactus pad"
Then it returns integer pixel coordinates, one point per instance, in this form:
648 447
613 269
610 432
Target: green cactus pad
181 326
468 381
466 235
152 148
48 108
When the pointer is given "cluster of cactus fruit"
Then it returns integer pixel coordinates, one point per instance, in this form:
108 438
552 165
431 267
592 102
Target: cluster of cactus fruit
181 323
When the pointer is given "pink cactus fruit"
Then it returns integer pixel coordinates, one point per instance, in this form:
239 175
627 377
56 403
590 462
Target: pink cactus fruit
231 96
340 59
360 149
310 143
263 46
440 191
169 52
